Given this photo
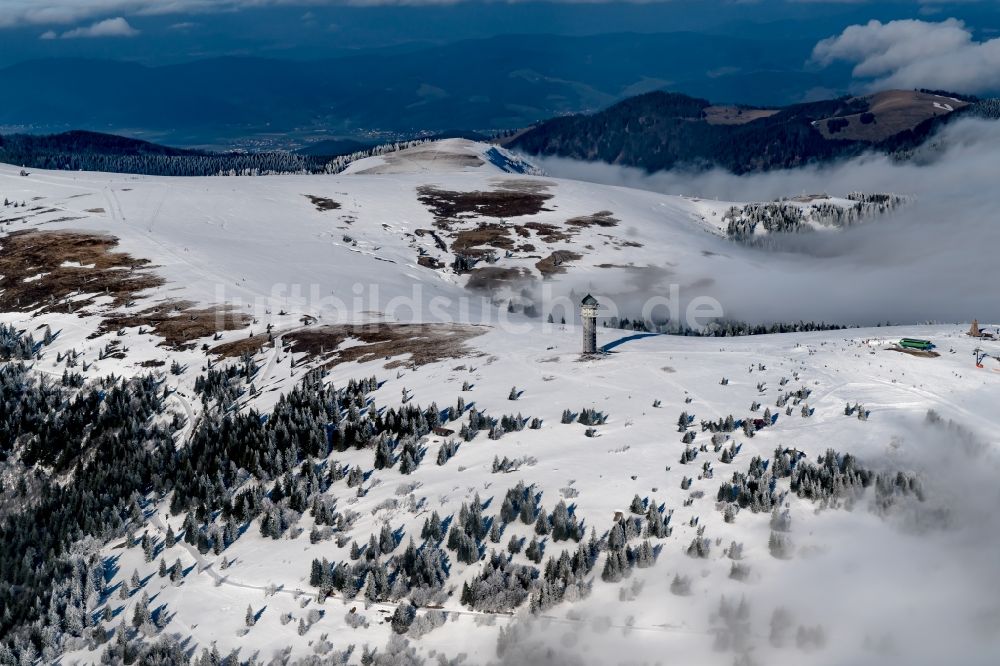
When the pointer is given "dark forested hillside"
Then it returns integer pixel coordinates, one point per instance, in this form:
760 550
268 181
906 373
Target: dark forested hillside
661 130
92 151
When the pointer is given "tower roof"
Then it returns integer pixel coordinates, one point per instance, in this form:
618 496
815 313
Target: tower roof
588 300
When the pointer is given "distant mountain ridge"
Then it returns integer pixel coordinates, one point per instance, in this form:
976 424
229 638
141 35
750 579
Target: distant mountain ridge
661 130
501 82
653 131
80 150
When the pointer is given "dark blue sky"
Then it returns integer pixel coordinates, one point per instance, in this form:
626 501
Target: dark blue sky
193 74
142 31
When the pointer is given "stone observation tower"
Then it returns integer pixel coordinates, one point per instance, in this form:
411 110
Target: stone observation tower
588 312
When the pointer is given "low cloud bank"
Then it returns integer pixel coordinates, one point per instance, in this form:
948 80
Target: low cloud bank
933 260
915 584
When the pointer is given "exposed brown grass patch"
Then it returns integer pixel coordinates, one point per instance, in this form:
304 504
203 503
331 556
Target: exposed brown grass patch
96 211
549 233
179 322
101 271
509 201
253 344
473 242
888 114
62 271
604 218
322 203
422 343
555 263
428 261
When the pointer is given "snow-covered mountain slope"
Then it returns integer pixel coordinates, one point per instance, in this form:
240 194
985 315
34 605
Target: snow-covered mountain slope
426 211
445 156
885 559
232 238
848 564
318 241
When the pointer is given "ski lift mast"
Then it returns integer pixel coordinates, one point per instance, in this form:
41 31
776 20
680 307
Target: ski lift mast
981 356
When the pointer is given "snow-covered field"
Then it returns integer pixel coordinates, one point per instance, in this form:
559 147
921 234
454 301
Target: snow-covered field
268 243
915 583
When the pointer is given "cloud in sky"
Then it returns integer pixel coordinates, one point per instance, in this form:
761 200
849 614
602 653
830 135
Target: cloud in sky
64 12
15 13
916 54
114 27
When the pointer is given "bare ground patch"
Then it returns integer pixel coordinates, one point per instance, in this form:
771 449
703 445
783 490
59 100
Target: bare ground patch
67 271
428 261
179 323
253 344
322 203
506 202
549 233
473 242
604 218
40 269
556 262
422 343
